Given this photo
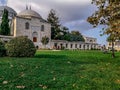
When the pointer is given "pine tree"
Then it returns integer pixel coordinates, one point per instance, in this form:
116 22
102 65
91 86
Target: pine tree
53 19
4 27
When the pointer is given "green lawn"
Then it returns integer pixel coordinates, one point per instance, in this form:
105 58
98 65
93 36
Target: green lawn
61 70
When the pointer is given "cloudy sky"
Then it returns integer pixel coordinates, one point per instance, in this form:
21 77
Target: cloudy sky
72 13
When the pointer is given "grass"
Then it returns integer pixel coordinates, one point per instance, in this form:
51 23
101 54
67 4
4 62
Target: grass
61 70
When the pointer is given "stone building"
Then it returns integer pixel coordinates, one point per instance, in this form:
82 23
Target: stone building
29 23
58 44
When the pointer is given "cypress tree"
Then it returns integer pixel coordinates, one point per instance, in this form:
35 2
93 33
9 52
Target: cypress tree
4 27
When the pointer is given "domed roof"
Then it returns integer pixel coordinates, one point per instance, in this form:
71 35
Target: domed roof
29 13
10 10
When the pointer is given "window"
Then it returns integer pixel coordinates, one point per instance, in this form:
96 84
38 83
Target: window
71 45
80 46
27 25
55 44
87 46
66 45
42 27
75 45
83 46
91 41
61 45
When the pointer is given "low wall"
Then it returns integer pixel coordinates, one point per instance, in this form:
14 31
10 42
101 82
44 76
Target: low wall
5 38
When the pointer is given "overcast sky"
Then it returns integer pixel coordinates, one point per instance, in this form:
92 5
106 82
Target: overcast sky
72 13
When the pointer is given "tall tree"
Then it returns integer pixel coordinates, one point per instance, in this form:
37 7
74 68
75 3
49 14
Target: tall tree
108 13
76 36
4 27
53 19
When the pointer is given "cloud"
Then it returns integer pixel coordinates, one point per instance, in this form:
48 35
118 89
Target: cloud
80 25
68 10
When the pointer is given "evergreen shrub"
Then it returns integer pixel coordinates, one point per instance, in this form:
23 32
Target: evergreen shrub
20 47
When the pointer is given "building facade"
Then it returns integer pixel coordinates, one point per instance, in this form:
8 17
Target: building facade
59 44
29 23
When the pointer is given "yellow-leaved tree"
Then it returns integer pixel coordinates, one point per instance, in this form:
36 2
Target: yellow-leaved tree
108 14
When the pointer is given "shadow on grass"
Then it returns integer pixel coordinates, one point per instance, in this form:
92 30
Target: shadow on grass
50 56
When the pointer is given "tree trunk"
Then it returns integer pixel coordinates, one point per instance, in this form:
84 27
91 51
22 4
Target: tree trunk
113 51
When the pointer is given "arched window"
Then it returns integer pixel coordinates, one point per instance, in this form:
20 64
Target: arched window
35 36
27 25
42 27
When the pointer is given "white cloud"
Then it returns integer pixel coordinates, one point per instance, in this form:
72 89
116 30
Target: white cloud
73 1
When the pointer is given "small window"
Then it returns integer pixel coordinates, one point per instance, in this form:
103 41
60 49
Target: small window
66 45
80 46
83 46
42 27
71 45
27 25
61 45
75 45
55 44
87 46
91 41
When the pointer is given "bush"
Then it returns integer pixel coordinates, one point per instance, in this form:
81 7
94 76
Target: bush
2 49
20 47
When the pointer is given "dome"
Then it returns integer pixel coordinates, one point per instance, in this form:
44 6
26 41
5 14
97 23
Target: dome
11 12
29 13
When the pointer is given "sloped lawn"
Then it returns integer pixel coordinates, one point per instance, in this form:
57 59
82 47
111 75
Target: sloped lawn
61 70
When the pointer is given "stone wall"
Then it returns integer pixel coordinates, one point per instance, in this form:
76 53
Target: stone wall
5 38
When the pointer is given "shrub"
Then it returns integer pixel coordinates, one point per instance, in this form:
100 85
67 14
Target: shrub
20 47
2 49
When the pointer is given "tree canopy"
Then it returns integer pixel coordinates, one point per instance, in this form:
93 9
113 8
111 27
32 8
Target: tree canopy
45 40
59 32
108 13
4 27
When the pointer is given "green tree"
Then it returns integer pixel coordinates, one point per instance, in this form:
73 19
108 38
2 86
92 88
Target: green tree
76 36
4 27
57 30
108 14
53 19
45 41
